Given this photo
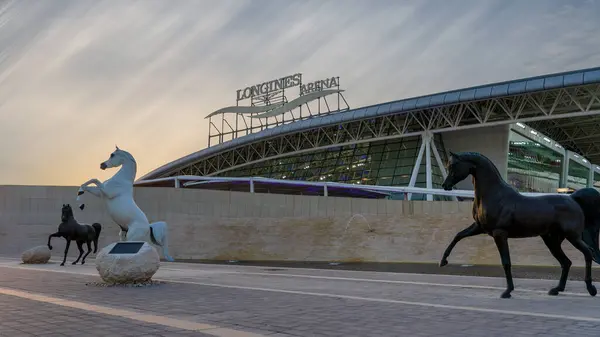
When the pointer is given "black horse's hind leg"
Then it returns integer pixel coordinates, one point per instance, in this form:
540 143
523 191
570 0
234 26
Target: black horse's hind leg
578 243
501 240
553 242
89 247
66 252
472 230
80 247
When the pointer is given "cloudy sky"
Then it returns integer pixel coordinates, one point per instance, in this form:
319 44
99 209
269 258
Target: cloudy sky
79 76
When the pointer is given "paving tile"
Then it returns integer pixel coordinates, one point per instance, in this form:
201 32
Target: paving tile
265 313
23 317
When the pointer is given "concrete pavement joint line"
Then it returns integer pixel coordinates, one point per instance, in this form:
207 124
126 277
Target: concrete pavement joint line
342 271
422 304
421 283
347 271
137 316
450 285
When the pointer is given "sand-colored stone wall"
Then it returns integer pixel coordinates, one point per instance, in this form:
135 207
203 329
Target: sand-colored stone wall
243 226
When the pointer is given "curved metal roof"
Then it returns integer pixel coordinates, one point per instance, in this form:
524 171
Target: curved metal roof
481 92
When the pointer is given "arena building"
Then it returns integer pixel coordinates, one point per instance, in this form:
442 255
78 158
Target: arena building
543 133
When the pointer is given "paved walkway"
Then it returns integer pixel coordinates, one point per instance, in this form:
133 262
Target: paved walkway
235 301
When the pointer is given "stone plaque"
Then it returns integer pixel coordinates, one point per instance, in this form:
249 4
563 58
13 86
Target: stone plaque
126 248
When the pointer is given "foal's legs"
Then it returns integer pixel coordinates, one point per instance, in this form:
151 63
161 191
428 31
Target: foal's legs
89 246
66 252
80 247
578 243
501 240
553 242
472 230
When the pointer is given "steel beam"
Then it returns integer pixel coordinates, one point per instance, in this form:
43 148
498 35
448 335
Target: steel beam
564 177
416 167
428 178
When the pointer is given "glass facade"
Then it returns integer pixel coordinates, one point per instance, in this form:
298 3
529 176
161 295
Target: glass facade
384 163
532 167
578 175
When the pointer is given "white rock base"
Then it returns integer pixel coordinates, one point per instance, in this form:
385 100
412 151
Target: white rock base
127 268
36 255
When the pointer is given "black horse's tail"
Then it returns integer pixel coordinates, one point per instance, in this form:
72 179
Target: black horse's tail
589 201
97 228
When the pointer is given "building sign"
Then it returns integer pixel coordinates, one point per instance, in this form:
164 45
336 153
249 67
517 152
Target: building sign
270 86
269 99
319 85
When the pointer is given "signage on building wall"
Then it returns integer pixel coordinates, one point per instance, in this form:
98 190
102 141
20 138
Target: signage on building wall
319 85
269 99
270 86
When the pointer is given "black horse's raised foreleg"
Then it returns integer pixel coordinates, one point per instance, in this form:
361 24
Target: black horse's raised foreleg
553 242
89 247
80 247
501 240
472 230
55 235
578 243
66 252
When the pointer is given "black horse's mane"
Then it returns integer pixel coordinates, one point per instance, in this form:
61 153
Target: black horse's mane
478 158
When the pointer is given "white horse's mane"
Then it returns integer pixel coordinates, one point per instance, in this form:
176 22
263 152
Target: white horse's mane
127 154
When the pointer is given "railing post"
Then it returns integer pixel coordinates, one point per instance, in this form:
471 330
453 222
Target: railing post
325 191
251 185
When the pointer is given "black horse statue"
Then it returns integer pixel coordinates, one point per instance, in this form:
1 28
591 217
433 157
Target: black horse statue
500 211
70 229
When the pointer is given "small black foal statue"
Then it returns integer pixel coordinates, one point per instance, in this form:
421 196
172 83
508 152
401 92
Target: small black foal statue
70 229
502 212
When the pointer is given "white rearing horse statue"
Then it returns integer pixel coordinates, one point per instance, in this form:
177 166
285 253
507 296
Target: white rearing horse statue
117 193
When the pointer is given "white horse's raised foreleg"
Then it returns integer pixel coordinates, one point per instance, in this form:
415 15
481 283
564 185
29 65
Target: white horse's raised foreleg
159 236
95 191
89 182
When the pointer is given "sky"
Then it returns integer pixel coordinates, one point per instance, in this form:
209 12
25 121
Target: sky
78 77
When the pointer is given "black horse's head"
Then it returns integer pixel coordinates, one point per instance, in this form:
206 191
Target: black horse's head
67 212
458 170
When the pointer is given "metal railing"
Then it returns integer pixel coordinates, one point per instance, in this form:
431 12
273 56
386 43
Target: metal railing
198 180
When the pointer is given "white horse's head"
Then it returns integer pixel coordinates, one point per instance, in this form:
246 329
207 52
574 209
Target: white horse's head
117 158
